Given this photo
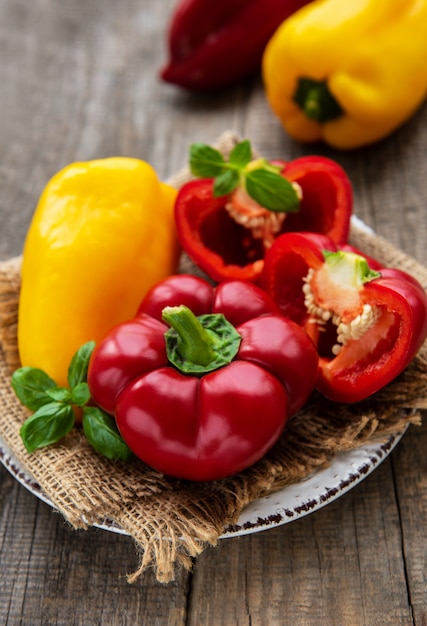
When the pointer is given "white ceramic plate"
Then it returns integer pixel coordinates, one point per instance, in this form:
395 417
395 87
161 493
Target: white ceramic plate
324 486
288 504
284 506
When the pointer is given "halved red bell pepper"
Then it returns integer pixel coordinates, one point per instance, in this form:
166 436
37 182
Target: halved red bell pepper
367 323
216 239
212 45
209 396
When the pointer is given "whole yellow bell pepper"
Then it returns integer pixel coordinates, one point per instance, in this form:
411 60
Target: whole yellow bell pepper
102 234
348 72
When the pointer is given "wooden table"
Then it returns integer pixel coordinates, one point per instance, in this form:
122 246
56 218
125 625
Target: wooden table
78 80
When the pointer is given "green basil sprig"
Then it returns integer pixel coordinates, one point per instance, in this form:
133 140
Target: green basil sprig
53 407
262 180
103 435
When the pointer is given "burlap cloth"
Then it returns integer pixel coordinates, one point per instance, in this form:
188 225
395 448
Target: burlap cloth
173 521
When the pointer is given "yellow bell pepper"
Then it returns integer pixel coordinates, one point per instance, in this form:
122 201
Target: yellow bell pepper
348 72
102 234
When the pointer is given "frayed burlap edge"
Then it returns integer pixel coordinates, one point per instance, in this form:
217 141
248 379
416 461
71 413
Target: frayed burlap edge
173 521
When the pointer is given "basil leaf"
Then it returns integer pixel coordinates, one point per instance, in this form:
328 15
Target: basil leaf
77 371
205 161
272 191
30 385
80 394
103 435
225 183
241 154
50 423
59 394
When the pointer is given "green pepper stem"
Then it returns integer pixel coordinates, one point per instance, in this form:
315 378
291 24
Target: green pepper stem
317 102
348 268
195 343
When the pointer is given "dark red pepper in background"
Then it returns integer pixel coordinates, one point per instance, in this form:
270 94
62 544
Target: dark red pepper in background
214 44
195 409
367 322
225 249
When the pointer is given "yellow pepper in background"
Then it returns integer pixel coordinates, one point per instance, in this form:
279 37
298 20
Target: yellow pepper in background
348 73
102 234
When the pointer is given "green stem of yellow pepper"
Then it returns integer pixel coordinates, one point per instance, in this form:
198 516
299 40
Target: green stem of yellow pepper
315 99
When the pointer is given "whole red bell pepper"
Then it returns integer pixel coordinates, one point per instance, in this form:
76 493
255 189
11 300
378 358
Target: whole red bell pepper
225 236
367 321
210 395
213 45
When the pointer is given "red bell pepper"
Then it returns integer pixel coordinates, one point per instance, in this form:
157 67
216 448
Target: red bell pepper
367 322
209 396
218 236
213 45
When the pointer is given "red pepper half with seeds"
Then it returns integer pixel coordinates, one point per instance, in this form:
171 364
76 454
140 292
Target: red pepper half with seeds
203 380
367 322
227 229
212 45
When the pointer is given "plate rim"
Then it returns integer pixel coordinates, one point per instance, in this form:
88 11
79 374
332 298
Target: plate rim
367 456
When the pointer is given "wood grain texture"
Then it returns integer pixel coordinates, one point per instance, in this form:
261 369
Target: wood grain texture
333 567
79 81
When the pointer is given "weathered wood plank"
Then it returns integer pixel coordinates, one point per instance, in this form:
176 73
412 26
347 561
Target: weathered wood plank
410 475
